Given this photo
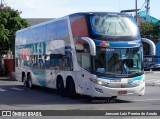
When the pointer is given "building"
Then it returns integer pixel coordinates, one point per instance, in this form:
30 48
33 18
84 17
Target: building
142 17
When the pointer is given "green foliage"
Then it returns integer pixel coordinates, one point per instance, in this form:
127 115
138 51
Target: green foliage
10 22
150 30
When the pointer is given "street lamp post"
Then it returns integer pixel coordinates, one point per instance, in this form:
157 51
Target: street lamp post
136 10
133 10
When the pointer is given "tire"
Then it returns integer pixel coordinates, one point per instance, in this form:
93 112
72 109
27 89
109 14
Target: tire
25 81
60 87
29 79
114 97
71 90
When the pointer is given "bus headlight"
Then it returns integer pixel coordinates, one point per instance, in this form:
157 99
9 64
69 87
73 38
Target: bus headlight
99 82
137 83
95 80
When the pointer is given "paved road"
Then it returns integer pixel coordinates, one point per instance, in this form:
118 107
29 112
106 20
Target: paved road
153 78
13 96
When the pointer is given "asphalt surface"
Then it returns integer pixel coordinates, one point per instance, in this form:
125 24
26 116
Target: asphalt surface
152 78
14 96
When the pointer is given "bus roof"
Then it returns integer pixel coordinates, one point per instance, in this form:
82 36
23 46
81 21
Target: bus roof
109 13
74 14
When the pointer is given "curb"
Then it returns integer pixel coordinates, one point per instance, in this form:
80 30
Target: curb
6 79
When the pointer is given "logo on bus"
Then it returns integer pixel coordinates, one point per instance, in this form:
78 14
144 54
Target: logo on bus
104 43
24 53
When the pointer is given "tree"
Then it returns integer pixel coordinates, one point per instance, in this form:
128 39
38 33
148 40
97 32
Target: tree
10 22
150 30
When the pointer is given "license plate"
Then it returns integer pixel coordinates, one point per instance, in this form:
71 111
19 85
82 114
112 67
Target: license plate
122 92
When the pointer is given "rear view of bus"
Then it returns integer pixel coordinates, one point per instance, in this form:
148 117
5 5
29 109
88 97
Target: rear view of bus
109 50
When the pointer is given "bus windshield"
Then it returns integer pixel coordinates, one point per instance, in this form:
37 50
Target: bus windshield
116 62
113 25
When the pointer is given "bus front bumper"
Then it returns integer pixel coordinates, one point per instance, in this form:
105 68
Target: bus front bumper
103 91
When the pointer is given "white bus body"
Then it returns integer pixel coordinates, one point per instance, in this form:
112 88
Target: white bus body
65 54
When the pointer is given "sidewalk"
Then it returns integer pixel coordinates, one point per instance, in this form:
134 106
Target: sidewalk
152 78
11 77
6 78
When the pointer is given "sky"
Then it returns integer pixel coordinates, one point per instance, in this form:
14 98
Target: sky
60 8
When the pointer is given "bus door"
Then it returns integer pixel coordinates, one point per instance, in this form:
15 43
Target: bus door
84 75
50 71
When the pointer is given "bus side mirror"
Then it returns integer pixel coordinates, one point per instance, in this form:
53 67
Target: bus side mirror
91 44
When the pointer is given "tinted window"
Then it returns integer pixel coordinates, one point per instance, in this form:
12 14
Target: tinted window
113 27
34 34
51 31
108 25
125 61
62 30
42 33
19 38
26 37
79 26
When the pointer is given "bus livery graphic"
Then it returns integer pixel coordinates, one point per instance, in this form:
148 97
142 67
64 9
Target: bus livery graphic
95 54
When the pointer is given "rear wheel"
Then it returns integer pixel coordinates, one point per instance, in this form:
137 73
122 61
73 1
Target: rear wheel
29 79
71 90
60 87
114 97
25 81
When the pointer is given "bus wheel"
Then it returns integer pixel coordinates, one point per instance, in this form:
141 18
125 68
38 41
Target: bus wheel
30 85
113 97
25 81
72 90
60 87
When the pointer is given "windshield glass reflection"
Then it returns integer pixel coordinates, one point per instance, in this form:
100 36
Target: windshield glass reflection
125 61
113 25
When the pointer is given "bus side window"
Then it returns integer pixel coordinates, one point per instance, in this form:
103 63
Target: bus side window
67 63
84 60
40 62
56 61
46 63
35 61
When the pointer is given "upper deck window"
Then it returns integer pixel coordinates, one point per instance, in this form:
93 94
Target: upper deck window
113 25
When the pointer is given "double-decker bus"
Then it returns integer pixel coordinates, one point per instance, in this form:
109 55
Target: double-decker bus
95 54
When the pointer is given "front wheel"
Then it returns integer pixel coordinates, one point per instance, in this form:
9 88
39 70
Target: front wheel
71 90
